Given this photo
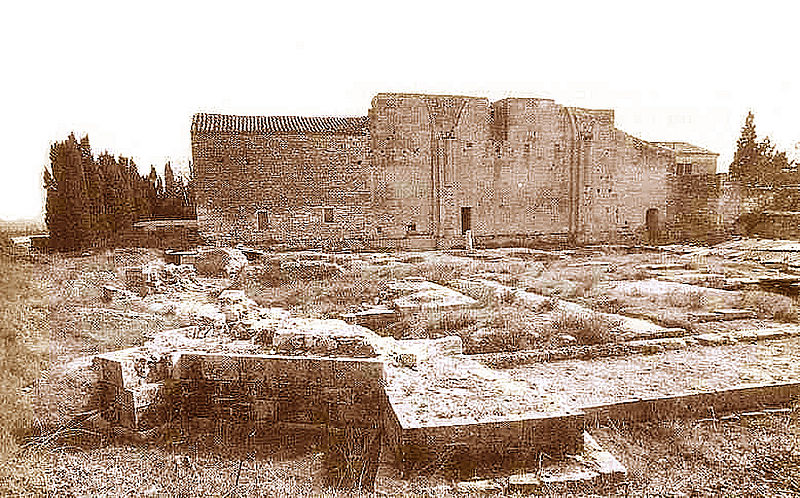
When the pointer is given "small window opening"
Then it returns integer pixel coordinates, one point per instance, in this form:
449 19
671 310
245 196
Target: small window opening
262 220
327 215
412 227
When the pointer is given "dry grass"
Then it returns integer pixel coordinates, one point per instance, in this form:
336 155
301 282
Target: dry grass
755 457
693 300
565 282
587 328
770 305
320 298
23 345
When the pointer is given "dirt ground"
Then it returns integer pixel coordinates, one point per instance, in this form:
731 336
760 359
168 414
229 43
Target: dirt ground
754 457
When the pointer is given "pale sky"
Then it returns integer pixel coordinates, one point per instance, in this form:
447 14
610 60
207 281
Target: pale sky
132 75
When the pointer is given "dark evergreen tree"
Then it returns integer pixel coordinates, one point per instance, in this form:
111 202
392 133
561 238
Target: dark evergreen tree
758 161
97 200
69 223
745 160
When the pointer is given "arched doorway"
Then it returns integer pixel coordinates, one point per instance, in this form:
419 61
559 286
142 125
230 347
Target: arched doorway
651 225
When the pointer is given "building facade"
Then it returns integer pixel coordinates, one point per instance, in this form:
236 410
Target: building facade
420 171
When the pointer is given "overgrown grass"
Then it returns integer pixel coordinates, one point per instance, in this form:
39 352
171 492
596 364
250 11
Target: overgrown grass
694 299
587 328
770 305
320 298
23 344
564 282
750 457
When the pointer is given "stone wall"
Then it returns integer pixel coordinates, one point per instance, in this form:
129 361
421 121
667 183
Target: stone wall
696 405
694 208
290 176
423 168
264 392
488 445
430 160
532 154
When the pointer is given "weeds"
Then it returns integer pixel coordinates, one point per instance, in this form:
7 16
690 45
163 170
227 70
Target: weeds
693 299
587 328
23 335
769 305
441 272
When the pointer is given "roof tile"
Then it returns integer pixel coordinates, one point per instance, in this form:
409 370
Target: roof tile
204 123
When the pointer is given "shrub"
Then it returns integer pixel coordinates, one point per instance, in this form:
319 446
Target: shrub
587 328
769 305
694 299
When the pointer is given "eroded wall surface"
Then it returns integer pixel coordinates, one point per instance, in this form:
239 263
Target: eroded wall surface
421 170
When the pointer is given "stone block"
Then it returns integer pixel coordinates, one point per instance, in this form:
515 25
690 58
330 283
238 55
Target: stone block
711 339
221 367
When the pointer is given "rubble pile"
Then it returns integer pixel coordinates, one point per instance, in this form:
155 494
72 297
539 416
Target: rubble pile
220 262
300 336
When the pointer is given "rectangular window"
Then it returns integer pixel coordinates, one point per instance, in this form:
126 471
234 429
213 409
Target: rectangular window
327 215
262 220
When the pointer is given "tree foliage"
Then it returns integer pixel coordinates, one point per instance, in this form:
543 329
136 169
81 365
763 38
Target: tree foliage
95 200
758 162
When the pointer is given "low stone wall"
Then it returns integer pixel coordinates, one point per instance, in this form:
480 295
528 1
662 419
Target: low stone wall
699 405
486 446
283 390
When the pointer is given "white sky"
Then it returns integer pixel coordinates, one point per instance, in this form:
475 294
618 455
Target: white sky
131 75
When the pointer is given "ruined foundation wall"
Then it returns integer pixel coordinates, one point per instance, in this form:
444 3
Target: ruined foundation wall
503 444
265 391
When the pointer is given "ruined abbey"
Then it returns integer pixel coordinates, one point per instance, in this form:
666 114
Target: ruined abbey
424 171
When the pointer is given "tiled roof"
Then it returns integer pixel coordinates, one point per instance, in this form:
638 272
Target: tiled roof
684 148
202 122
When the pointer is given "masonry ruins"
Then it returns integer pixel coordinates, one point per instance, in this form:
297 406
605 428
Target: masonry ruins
422 171
427 172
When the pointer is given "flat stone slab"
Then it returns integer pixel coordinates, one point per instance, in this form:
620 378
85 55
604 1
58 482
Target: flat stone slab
421 295
584 383
723 314
372 318
603 461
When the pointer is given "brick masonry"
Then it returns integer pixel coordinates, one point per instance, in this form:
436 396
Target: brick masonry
420 169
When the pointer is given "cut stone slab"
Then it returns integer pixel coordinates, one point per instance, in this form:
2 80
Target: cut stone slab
735 313
487 486
421 295
374 318
657 345
722 314
180 257
324 338
603 461
711 339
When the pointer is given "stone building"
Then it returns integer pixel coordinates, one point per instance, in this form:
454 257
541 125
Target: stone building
420 171
691 159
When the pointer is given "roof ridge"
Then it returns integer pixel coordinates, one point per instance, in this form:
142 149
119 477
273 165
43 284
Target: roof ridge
213 122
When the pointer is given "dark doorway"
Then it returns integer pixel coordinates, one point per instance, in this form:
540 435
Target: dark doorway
651 223
466 219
